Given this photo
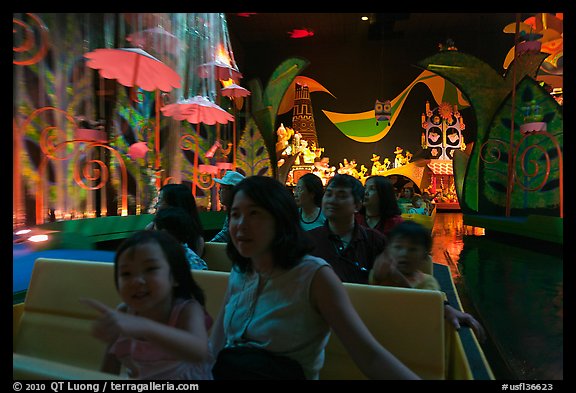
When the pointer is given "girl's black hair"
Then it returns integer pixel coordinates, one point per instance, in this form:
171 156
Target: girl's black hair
180 195
187 288
414 231
388 203
290 243
314 185
177 222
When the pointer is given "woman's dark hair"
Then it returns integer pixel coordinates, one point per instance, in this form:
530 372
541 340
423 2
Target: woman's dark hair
290 243
388 203
413 231
314 185
347 181
180 195
187 288
177 222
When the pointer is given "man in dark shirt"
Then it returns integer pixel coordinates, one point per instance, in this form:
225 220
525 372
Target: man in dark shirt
350 248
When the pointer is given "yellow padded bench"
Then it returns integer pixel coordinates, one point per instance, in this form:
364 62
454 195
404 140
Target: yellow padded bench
55 327
216 257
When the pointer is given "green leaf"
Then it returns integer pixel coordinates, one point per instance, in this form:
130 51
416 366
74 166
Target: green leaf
252 155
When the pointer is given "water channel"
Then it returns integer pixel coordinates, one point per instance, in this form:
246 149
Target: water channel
515 289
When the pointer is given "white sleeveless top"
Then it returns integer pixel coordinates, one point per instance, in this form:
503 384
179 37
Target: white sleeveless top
281 319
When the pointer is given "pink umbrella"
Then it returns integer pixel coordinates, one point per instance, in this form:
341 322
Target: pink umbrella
235 91
222 70
156 38
196 110
133 67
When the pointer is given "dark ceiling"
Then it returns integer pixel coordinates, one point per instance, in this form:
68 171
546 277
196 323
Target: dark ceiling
275 27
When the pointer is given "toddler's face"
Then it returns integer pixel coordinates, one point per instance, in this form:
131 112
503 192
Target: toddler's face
144 278
408 254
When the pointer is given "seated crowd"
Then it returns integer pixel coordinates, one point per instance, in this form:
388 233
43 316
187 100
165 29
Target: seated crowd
290 255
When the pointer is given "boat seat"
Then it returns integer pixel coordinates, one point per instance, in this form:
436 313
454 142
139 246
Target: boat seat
55 327
216 257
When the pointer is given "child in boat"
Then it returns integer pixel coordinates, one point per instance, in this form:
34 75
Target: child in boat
159 332
418 205
408 249
177 222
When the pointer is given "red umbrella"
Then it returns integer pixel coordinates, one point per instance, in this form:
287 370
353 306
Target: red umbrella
235 91
196 110
133 67
222 70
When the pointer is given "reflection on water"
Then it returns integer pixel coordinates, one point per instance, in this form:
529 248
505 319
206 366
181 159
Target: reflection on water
518 294
448 233
515 290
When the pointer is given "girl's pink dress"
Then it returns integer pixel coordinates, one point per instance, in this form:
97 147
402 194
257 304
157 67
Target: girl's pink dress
146 360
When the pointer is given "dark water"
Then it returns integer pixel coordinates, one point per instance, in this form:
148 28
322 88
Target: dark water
515 289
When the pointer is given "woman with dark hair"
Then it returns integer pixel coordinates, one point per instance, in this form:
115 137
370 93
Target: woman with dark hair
180 195
281 302
308 195
159 331
380 210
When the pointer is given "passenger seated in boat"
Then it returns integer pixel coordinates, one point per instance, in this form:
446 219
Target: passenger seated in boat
229 180
351 249
308 195
408 249
379 210
405 199
418 205
429 201
177 222
180 195
282 303
159 332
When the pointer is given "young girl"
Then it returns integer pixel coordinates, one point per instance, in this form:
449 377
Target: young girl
418 205
180 195
159 330
281 302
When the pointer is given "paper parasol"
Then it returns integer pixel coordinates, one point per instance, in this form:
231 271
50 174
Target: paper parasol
197 109
133 67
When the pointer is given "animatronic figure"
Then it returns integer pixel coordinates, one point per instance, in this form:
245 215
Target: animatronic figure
383 111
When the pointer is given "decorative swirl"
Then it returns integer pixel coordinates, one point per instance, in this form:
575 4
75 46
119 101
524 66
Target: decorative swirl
87 171
48 140
186 144
491 154
524 163
527 164
205 181
28 41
